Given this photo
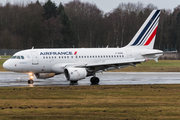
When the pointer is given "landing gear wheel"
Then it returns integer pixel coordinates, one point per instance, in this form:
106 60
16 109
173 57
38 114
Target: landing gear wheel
73 82
31 77
94 80
30 81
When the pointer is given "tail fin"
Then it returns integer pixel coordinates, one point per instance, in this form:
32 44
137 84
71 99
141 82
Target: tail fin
145 37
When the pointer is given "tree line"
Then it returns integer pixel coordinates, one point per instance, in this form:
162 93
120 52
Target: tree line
81 24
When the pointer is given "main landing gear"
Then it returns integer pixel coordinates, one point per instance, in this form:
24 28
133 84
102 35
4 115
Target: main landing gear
31 77
94 80
73 82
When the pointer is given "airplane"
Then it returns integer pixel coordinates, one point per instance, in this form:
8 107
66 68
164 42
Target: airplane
79 63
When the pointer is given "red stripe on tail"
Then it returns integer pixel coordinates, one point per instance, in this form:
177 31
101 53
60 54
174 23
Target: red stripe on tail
151 37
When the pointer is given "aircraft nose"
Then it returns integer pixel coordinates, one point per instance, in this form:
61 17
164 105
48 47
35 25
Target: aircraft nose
6 65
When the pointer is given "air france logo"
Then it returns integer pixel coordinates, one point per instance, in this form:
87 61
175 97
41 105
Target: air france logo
75 52
56 53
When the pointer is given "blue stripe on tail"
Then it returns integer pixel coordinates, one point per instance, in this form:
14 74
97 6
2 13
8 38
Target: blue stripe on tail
145 29
149 30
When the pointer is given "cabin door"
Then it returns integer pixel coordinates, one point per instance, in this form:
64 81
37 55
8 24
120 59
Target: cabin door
129 54
34 58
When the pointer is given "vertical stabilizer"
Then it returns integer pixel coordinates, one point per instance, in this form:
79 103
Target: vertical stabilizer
145 37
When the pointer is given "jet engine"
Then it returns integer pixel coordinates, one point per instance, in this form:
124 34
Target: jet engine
44 75
75 74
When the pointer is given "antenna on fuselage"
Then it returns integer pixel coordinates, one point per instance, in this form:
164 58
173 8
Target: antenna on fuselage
107 46
33 47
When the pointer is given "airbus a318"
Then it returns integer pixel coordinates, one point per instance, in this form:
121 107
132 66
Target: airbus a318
79 63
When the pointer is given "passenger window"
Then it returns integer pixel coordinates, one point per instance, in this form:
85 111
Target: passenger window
64 56
71 56
84 56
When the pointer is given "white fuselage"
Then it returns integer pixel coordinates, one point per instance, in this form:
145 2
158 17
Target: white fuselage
54 60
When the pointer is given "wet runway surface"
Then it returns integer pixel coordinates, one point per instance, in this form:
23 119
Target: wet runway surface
10 79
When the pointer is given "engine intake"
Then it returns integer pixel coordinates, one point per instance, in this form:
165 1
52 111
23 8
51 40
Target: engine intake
75 74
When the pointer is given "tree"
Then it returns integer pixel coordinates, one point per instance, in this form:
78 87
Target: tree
86 20
49 10
52 29
69 36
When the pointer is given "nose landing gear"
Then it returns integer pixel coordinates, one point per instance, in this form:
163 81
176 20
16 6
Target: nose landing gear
31 77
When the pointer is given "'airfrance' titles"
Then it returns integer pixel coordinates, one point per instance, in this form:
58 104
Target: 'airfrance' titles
56 53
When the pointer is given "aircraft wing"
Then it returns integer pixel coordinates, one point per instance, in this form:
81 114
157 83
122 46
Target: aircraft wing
131 61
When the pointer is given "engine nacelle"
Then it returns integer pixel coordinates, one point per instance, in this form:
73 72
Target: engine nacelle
44 75
75 74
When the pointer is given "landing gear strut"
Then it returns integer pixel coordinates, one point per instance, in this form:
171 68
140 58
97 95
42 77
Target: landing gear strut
31 77
94 80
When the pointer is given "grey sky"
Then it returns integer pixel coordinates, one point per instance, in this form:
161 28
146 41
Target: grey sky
109 5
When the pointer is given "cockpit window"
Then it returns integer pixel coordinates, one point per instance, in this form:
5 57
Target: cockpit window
13 57
22 57
17 57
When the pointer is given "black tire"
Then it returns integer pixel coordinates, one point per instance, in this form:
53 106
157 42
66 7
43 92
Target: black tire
30 81
94 80
73 82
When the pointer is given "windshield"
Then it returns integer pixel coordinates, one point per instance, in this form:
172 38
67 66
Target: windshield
17 57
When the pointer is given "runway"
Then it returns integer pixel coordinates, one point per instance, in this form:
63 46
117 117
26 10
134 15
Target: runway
11 79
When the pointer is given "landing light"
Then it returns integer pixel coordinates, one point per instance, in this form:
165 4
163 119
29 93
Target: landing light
31 76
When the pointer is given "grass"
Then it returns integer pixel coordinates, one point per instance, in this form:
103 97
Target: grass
91 102
5 56
152 66
1 63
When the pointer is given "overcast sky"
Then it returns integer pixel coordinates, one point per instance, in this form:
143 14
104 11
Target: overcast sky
109 5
